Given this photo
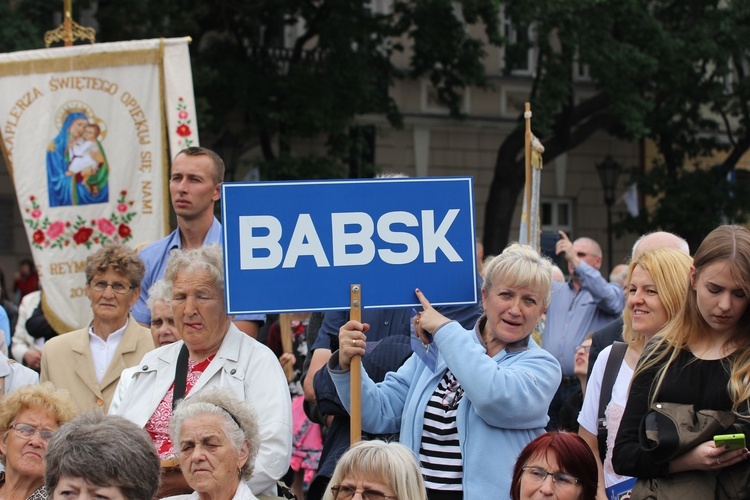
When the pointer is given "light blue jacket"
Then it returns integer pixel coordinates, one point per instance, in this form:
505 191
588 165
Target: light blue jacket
504 405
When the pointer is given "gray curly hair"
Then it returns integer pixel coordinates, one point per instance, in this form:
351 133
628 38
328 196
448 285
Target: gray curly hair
159 291
239 421
208 258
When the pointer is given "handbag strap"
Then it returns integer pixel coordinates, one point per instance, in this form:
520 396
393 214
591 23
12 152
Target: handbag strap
180 376
616 357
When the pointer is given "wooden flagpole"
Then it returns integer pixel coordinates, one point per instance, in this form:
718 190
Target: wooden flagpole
527 164
285 323
355 371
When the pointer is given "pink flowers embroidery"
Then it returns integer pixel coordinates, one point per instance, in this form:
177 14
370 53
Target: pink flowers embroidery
183 129
48 233
105 226
55 229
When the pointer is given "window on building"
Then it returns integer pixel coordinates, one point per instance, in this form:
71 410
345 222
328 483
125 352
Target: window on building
380 6
556 215
581 72
519 51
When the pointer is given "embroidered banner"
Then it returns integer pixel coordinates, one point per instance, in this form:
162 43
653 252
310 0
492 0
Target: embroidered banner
87 133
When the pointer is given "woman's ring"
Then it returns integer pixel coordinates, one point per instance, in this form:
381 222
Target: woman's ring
354 342
718 462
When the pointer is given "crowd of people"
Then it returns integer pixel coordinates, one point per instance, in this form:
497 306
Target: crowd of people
578 389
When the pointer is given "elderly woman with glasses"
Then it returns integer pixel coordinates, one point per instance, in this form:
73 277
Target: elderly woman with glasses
377 471
29 417
217 437
96 456
88 362
212 353
556 465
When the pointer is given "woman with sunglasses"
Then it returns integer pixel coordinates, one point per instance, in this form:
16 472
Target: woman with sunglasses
29 417
377 471
555 466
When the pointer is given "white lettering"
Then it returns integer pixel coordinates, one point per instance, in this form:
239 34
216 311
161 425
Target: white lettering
351 240
251 245
398 238
305 241
361 239
432 240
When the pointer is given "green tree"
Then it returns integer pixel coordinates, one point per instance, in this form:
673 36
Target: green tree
262 92
673 72
18 30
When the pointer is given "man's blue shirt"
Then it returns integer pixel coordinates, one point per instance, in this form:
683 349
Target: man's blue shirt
155 257
5 326
571 316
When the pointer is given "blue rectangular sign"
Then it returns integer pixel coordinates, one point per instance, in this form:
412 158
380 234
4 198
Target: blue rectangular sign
298 246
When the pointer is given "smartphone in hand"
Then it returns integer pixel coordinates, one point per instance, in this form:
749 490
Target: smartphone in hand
733 441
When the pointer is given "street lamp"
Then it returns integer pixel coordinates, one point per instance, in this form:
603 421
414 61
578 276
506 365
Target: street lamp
609 170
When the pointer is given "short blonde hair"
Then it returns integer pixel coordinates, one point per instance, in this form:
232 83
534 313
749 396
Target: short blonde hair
389 463
520 266
44 396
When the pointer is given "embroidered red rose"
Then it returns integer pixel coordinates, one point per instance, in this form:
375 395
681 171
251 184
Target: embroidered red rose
36 213
182 115
123 231
122 207
183 130
82 235
38 236
123 192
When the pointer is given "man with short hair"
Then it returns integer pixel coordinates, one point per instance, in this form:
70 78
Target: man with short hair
619 274
584 304
612 332
194 187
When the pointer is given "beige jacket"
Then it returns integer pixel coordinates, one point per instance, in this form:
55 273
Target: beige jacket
67 363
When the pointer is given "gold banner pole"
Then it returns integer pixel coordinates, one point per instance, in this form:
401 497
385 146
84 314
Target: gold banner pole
69 30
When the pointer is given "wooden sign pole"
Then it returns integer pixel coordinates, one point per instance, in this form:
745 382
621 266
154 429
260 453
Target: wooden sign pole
285 323
355 374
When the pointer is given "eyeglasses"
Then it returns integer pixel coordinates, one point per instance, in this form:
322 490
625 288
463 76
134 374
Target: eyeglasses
118 288
586 348
27 431
346 492
538 475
